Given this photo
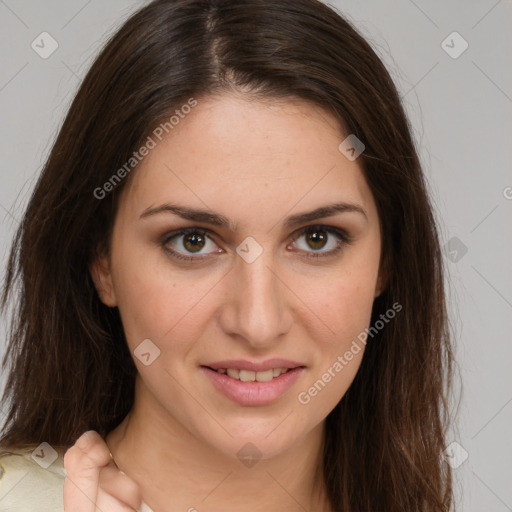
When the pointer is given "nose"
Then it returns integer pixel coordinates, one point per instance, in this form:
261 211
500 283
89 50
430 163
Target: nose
256 308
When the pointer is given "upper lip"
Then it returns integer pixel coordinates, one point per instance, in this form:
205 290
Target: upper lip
242 364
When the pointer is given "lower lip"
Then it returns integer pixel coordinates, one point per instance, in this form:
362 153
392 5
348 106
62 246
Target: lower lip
253 393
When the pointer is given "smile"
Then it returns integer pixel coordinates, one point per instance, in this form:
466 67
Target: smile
251 376
253 388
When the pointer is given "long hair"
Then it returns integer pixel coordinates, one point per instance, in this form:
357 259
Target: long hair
70 369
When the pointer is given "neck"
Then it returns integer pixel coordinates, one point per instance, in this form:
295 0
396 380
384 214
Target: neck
172 466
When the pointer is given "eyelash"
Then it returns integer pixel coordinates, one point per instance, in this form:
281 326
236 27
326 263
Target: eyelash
341 234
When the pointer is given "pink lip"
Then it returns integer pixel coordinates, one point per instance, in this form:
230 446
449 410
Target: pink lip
242 364
253 393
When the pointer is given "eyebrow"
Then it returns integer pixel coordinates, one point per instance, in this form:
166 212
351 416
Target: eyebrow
216 219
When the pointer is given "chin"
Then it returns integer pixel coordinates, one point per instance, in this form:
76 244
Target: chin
250 451
250 440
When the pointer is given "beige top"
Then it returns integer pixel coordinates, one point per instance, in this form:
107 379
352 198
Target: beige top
33 480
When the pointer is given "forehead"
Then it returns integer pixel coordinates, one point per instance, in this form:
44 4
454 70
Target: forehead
242 155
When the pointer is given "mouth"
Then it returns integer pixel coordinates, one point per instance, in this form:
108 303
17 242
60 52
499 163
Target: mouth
253 384
251 376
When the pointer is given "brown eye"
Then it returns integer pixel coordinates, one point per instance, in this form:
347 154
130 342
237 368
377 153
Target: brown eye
190 244
194 241
316 239
321 241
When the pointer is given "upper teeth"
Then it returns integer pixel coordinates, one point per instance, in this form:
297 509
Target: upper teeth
250 376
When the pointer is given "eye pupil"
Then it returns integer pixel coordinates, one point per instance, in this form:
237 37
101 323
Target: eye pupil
194 242
316 239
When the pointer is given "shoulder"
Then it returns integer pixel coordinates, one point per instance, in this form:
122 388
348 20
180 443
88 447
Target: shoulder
32 479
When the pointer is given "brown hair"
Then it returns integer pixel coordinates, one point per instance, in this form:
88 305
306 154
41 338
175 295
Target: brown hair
70 368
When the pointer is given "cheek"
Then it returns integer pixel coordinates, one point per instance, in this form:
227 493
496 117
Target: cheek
345 305
346 302
152 307
155 301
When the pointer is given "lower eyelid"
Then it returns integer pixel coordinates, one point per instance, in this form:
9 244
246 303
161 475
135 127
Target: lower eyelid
326 254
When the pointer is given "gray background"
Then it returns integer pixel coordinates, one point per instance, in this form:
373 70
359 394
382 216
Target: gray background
460 109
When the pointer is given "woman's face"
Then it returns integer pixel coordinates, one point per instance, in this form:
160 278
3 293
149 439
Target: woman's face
261 274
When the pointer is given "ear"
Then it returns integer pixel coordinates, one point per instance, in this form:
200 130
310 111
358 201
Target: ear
101 275
382 280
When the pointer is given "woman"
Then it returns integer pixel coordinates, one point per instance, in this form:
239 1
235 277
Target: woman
241 278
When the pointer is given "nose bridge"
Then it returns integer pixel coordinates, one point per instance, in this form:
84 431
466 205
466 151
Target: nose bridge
258 306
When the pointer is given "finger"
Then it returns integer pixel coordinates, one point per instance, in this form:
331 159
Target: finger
120 486
82 463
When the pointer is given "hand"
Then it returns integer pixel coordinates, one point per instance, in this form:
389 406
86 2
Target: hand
93 482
